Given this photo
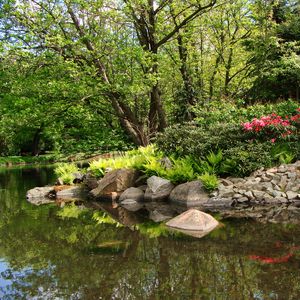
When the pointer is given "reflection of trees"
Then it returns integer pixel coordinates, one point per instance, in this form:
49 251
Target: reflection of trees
65 258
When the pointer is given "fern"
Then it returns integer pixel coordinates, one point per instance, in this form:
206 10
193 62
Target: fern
66 172
210 181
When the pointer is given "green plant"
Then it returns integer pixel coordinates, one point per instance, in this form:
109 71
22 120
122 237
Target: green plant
66 172
136 159
210 181
283 153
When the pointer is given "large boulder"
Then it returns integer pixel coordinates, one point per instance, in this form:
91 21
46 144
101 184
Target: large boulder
190 194
132 193
114 183
193 220
158 189
41 195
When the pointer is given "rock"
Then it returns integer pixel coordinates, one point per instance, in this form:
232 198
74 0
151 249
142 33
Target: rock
166 163
226 182
115 181
131 205
242 200
291 195
59 181
158 189
194 220
190 194
78 177
142 187
141 180
216 203
249 195
90 181
41 195
70 192
132 193
40 192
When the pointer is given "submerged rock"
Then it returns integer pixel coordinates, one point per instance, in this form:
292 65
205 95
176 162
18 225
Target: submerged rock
189 194
193 220
158 189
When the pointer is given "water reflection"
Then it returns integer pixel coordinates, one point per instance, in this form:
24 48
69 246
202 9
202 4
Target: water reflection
48 253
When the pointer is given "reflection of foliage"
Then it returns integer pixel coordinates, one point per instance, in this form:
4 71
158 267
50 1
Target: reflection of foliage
103 218
154 230
70 211
77 258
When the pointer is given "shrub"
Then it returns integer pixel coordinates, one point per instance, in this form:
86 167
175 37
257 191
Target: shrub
245 158
66 172
198 142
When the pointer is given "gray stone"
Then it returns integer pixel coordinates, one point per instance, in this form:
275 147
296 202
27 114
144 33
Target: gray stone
132 193
291 195
90 181
242 200
226 182
166 163
116 181
190 194
41 195
78 177
259 195
194 220
158 189
59 181
217 203
40 192
249 195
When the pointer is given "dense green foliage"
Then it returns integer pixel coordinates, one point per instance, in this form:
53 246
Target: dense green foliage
227 148
84 76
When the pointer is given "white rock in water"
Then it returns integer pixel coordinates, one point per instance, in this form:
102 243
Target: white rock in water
194 220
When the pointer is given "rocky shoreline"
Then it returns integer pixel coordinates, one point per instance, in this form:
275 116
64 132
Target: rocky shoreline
267 195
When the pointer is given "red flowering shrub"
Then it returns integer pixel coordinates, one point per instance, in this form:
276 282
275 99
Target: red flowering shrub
273 127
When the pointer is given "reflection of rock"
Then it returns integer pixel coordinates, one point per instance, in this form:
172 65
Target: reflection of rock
159 216
70 192
189 194
160 211
133 194
195 233
115 181
131 205
158 189
194 220
41 195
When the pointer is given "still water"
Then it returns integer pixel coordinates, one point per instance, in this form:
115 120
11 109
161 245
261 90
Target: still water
49 252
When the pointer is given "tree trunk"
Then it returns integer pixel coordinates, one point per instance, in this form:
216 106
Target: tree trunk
189 91
36 142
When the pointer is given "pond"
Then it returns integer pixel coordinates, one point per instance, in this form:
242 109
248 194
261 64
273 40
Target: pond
49 252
